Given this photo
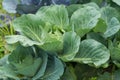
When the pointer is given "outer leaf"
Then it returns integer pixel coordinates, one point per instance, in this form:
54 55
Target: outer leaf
113 27
5 69
42 68
72 8
31 26
108 12
3 60
21 39
92 4
56 15
118 35
54 69
84 19
117 2
115 56
98 37
71 42
113 24
92 52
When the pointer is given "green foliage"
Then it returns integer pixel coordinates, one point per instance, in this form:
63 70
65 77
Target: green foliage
111 20
92 52
87 19
71 46
76 42
31 63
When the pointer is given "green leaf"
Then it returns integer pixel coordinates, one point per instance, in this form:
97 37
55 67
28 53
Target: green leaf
84 19
56 15
54 69
20 39
72 8
117 2
115 54
101 26
92 52
107 13
71 42
31 26
3 60
117 63
118 35
113 27
98 37
42 68
92 4
110 16
6 70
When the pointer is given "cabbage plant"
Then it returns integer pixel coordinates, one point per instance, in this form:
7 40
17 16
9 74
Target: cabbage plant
64 43
30 63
